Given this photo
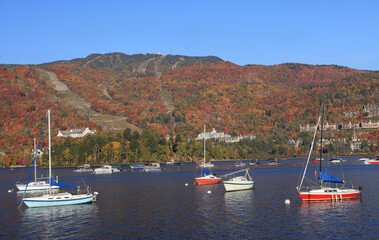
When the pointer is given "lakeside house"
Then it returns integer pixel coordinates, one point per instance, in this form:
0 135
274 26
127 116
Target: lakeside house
76 133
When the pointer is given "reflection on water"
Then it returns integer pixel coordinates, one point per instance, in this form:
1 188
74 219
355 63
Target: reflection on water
331 218
58 222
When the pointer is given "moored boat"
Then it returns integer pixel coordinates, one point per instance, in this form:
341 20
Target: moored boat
337 160
240 164
372 161
327 187
84 168
104 169
237 183
206 177
137 166
153 167
54 198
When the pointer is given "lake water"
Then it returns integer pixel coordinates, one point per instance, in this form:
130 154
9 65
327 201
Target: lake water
138 205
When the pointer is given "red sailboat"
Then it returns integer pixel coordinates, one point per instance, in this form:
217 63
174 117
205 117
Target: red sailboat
206 178
327 187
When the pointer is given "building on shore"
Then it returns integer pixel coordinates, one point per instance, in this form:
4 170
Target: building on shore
76 133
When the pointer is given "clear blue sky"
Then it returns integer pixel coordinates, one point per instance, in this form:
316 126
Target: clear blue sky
264 32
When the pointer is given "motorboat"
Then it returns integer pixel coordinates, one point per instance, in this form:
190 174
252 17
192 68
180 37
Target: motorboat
116 168
104 169
240 164
153 167
337 160
254 162
237 183
84 168
206 164
372 161
137 166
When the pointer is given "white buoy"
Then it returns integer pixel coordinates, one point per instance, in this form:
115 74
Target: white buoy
186 184
209 192
287 201
10 190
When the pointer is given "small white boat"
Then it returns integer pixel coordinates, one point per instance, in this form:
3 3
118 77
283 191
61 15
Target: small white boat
84 168
153 167
206 164
116 168
337 160
237 183
104 169
240 164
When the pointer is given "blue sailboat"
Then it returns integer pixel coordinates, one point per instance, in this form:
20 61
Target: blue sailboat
56 198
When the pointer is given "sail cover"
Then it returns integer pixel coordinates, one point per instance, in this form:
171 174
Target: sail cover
327 178
53 183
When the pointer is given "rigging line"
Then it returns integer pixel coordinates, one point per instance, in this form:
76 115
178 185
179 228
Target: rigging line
309 154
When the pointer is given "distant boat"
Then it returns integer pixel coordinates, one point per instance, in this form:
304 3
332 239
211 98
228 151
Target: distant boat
273 162
170 163
254 162
327 187
317 160
104 169
116 168
337 160
153 167
364 159
84 168
240 164
58 199
206 177
372 161
237 183
205 164
137 166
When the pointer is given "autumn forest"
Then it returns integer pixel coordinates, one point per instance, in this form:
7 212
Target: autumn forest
151 107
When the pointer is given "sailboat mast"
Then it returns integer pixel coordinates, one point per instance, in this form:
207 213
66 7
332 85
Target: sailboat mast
204 144
35 172
48 112
322 128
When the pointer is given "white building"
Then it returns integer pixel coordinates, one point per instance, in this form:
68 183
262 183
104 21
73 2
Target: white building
76 133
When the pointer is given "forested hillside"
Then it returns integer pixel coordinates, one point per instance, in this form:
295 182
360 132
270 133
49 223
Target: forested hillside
269 102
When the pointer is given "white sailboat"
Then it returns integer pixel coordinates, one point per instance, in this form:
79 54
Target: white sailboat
58 199
39 183
237 183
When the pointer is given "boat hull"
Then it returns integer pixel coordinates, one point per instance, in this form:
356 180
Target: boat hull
370 162
238 186
207 181
58 200
318 195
